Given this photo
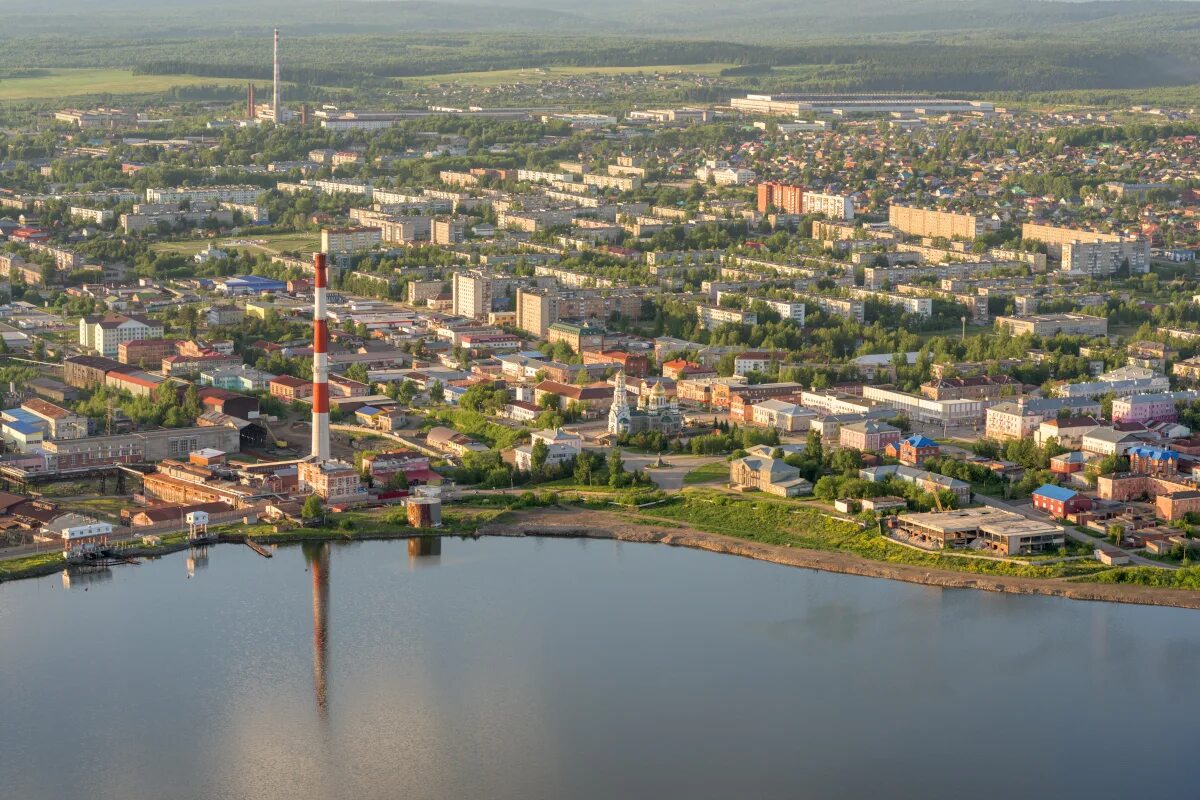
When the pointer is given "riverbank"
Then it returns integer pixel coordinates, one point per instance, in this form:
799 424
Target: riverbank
574 523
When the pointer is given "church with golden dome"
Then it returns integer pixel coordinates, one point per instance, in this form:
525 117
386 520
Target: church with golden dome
653 412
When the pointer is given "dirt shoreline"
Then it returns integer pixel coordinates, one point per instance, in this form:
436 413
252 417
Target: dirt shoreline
590 524
551 523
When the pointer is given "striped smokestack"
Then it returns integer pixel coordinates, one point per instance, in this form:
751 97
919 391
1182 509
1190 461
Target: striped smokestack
276 106
320 398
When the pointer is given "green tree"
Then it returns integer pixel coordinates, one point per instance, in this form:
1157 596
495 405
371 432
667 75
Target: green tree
437 392
616 468
313 508
537 458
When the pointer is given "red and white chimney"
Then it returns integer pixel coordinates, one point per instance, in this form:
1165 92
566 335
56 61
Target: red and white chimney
320 398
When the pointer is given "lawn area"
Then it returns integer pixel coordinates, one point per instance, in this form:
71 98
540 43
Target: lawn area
16 566
542 74
273 243
709 473
62 83
791 524
108 508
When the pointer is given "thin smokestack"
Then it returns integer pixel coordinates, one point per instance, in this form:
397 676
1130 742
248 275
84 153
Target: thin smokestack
320 398
276 102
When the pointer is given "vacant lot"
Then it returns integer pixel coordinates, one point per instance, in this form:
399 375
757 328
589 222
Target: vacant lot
265 243
61 83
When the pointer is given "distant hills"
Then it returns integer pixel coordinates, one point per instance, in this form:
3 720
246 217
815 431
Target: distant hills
741 20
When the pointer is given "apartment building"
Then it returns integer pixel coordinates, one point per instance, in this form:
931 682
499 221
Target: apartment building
1021 419
711 317
937 224
1091 252
96 216
832 206
619 183
472 294
786 309
838 306
448 231
783 198
350 240
189 194
103 334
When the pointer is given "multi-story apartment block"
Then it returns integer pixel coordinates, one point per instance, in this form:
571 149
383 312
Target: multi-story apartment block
96 216
1091 252
786 309
937 224
714 316
783 198
350 240
1021 419
448 231
187 194
620 183
839 307
833 206
104 334
472 294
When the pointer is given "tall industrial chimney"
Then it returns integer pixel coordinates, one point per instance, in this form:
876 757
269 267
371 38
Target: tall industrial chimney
320 398
276 107
250 101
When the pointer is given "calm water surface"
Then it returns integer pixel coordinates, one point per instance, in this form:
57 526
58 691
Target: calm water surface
531 668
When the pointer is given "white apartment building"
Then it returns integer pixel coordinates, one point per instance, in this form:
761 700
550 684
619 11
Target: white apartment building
104 334
472 295
97 216
787 309
187 194
833 206
714 316
621 183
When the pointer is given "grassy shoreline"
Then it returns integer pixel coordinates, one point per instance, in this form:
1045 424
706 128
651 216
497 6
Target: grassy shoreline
767 529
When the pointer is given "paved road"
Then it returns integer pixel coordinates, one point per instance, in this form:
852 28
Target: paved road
1029 512
671 476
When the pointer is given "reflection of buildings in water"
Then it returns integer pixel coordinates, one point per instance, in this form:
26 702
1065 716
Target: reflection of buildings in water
197 559
317 556
424 546
81 577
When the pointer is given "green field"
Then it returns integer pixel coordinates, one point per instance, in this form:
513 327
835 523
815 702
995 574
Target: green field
709 473
272 243
543 74
62 83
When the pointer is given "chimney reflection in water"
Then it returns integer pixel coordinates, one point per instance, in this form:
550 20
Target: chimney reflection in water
317 557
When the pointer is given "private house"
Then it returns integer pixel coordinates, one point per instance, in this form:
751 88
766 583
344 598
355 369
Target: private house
1060 502
913 451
